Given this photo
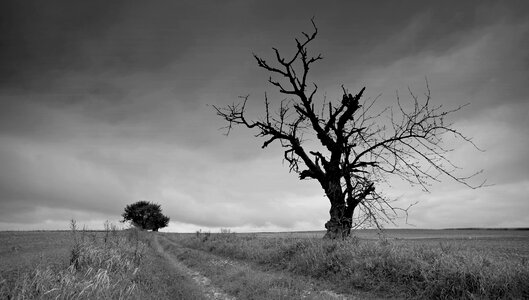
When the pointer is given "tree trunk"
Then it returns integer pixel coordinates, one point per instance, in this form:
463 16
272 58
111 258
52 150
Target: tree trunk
340 223
339 226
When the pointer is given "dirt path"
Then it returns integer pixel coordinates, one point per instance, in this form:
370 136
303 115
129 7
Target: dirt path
305 290
209 290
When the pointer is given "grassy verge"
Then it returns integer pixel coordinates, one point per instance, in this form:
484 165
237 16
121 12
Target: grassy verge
411 271
99 265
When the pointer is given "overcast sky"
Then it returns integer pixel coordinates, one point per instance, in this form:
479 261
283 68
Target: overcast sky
105 103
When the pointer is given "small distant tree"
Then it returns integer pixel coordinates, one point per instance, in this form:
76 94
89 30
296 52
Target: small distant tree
145 215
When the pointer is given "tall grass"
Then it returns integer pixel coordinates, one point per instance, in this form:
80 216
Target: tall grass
410 271
101 267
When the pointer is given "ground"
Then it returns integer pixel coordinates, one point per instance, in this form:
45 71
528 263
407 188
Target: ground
225 266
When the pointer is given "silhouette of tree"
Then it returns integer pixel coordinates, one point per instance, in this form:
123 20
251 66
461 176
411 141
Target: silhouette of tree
145 215
358 148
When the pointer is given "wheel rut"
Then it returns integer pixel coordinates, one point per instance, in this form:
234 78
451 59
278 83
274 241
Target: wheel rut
307 291
209 290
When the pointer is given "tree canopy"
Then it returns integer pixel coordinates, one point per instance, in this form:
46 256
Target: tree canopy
145 215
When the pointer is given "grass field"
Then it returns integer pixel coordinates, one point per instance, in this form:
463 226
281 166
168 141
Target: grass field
81 264
300 265
401 263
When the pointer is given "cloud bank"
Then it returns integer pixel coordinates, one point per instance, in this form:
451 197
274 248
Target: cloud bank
105 104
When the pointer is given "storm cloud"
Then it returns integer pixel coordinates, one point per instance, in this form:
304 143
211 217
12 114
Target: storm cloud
107 103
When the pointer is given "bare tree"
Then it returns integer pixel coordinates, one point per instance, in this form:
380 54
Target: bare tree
358 148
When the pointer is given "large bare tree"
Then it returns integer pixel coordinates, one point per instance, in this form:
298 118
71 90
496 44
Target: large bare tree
357 148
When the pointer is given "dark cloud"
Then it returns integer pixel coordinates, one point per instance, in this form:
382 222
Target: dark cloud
42 39
39 38
107 103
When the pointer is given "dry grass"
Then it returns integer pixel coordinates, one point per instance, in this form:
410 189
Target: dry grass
102 267
82 264
122 265
412 270
20 252
247 281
